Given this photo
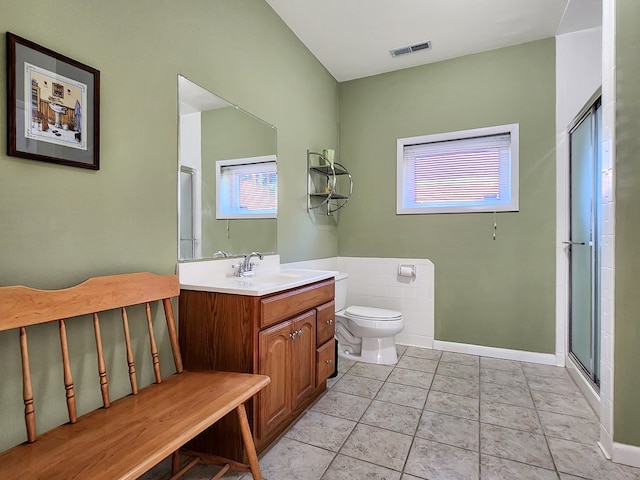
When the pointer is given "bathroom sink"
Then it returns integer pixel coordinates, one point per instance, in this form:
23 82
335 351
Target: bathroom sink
262 283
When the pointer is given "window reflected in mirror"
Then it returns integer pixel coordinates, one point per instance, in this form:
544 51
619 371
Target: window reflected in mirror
213 133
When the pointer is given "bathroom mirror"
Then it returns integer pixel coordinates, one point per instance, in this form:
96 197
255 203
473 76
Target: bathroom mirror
215 132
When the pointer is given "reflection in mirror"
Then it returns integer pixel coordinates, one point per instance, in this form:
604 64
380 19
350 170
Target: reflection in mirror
214 132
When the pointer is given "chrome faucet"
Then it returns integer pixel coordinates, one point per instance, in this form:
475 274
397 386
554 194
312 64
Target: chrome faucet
245 267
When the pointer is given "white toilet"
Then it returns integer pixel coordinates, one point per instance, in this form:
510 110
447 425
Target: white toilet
365 334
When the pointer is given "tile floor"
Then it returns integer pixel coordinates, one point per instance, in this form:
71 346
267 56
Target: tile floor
440 416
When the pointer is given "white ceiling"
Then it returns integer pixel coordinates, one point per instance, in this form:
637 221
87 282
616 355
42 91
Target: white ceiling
352 38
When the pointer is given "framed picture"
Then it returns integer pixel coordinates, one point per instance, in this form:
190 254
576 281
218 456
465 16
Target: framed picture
53 106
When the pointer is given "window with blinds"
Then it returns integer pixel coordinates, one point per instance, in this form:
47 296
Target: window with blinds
457 172
247 188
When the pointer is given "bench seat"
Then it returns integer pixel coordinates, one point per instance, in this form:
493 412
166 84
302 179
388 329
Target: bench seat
136 432
124 438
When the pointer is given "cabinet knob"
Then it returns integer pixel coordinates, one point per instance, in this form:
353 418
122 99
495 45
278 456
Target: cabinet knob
329 362
299 332
293 335
330 321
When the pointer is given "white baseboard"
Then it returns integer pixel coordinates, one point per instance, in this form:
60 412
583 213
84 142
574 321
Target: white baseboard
504 353
590 393
606 442
414 340
626 454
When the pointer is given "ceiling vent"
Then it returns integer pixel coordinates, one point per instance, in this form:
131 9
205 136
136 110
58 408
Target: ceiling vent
410 48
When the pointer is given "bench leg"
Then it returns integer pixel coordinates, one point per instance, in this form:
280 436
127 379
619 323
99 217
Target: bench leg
175 462
249 446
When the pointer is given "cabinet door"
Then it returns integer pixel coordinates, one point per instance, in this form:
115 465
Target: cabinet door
274 402
303 357
325 323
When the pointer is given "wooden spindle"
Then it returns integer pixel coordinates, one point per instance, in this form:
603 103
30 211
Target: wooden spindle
102 369
173 335
130 359
68 378
153 346
27 389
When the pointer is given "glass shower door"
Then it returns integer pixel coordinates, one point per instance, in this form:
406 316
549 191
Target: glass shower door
584 323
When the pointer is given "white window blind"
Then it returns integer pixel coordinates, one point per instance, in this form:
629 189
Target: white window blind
468 171
247 188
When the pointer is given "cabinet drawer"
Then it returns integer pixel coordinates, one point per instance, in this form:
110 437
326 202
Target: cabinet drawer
325 363
288 304
326 322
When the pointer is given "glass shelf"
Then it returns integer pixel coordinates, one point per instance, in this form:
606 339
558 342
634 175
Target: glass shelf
327 194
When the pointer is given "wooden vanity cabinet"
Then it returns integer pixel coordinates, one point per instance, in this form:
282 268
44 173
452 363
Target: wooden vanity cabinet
287 335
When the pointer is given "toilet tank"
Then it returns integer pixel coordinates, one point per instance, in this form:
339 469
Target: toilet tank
341 291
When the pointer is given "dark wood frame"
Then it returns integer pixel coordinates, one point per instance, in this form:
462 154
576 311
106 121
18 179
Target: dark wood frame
64 155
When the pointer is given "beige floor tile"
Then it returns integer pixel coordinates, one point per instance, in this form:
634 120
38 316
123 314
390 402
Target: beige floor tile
536 369
361 386
426 353
457 386
376 445
578 429
347 468
456 405
332 381
436 461
460 358
292 460
559 385
344 364
565 404
511 416
495 468
513 395
455 431
415 363
397 418
467 372
501 364
525 447
369 370
342 405
321 430
403 395
414 378
585 461
503 377
400 349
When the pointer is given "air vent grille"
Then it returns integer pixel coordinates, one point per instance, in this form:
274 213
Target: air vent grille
410 48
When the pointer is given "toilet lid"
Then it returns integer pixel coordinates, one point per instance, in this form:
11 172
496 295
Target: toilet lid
357 311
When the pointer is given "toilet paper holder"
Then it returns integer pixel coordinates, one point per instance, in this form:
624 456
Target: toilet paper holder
407 271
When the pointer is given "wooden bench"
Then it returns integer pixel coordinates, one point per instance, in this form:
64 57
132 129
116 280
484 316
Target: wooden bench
128 436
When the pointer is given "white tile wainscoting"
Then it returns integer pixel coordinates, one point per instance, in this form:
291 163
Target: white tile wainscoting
374 282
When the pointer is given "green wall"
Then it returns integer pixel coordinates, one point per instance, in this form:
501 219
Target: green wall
229 133
60 225
497 293
627 235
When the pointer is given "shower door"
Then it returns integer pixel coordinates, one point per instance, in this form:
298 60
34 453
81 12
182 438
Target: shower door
583 244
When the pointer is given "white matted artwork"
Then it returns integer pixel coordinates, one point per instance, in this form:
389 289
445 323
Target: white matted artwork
57 104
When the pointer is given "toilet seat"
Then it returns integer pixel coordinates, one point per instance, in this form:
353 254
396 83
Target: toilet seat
357 312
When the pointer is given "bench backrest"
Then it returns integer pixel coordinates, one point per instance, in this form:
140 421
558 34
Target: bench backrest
21 307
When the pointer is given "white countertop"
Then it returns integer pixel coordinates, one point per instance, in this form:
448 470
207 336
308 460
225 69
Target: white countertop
264 282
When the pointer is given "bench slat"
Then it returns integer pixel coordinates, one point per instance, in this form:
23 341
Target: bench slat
102 368
68 377
102 445
23 306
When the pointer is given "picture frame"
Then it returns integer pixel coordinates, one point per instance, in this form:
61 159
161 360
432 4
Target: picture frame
53 106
